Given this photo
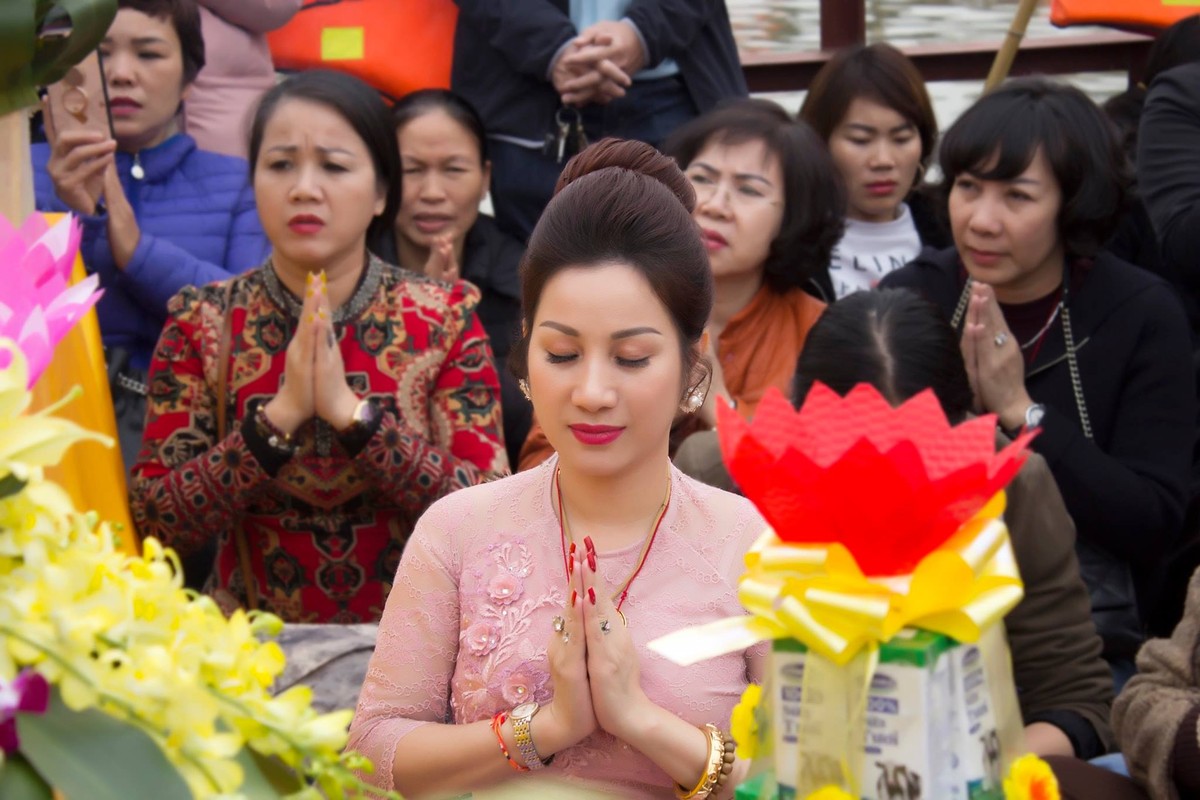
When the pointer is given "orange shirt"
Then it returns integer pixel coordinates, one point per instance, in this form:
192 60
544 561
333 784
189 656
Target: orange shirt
758 349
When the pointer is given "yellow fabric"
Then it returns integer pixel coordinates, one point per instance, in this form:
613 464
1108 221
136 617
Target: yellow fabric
94 475
342 44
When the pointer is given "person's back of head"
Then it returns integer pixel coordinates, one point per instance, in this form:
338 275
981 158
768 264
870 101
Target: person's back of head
892 339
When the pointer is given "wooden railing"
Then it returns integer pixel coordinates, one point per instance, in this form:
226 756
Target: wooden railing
843 23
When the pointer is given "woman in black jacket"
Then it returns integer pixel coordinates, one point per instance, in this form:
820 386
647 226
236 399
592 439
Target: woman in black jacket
440 232
1060 335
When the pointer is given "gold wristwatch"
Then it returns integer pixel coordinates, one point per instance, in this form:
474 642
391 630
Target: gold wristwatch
521 716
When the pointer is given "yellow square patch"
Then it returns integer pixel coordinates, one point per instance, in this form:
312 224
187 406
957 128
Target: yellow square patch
342 44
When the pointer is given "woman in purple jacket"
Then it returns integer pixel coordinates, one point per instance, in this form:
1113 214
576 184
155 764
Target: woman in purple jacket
158 214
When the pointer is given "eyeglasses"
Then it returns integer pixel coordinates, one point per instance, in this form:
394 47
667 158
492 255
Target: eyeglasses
741 192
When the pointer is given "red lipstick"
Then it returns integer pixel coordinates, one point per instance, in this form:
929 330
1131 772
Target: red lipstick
596 435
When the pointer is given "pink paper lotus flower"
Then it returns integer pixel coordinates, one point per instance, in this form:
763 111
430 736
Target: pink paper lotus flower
891 484
38 306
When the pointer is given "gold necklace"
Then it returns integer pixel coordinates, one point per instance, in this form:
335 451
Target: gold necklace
564 532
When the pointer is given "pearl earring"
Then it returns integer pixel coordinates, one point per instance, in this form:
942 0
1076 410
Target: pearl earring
693 401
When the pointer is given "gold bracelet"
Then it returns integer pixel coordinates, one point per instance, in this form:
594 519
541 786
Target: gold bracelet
712 770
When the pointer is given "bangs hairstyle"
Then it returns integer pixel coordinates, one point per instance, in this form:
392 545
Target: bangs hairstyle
363 110
1009 126
424 101
877 72
814 200
184 17
622 202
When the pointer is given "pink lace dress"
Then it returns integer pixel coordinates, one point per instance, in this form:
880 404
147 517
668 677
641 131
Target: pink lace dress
467 622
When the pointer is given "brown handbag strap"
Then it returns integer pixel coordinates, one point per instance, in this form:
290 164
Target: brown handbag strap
224 350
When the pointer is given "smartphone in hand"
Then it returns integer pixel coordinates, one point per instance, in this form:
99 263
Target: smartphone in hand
80 100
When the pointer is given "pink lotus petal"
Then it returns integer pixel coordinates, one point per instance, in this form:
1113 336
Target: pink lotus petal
40 306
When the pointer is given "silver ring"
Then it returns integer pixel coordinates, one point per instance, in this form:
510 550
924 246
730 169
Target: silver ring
559 624
1001 339
605 627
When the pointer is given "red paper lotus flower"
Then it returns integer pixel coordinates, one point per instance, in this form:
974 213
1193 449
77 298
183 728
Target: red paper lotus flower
891 484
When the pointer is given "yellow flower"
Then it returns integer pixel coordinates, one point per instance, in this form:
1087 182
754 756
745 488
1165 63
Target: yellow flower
831 793
743 725
1030 778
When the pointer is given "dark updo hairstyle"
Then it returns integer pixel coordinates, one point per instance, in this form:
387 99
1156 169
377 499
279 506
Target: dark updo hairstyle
1006 128
814 200
362 109
877 72
892 339
184 16
419 103
622 202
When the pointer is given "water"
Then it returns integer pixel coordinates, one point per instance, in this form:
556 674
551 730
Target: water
794 25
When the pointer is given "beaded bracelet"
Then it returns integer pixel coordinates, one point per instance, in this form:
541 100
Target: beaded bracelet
497 723
714 772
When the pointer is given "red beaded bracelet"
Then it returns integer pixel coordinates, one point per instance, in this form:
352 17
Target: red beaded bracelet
497 723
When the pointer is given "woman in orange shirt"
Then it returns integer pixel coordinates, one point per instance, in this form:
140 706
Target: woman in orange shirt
769 207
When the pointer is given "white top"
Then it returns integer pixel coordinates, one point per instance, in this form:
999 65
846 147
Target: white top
870 250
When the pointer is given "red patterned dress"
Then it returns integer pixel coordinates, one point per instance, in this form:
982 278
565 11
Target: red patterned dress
325 527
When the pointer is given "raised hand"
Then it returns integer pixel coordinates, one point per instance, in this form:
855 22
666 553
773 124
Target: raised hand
612 660
441 264
78 160
293 405
995 365
333 399
124 233
570 717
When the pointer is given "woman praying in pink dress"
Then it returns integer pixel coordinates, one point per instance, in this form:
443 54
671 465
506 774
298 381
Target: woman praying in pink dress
513 643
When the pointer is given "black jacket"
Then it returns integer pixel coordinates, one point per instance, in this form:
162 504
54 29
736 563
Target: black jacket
1168 168
1126 490
490 261
503 48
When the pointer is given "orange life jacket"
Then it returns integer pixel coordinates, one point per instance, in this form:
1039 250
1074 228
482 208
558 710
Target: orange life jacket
397 46
1124 13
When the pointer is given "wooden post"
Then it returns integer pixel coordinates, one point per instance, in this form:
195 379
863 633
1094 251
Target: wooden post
1012 43
16 171
843 23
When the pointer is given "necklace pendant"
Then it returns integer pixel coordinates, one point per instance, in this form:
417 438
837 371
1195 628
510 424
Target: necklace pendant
137 171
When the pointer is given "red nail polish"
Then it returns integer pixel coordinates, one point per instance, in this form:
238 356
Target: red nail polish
592 596
572 548
587 541
592 561
571 565
574 597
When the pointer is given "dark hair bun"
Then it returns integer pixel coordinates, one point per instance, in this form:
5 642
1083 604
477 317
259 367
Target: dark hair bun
629 155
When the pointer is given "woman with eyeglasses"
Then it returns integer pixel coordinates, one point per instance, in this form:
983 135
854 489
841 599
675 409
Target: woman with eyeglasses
769 207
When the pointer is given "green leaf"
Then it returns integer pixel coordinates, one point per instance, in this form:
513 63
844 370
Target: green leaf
20 781
27 62
10 484
89 754
266 776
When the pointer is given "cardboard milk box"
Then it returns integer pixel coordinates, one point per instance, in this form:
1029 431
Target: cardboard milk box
908 752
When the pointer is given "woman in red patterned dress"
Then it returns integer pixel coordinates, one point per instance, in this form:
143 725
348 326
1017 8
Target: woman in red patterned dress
305 414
